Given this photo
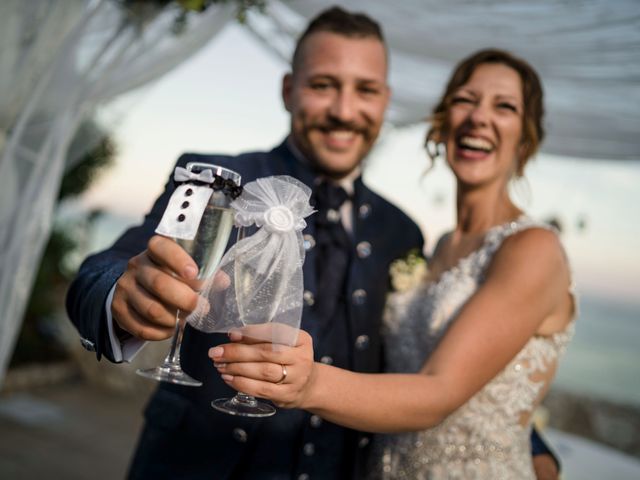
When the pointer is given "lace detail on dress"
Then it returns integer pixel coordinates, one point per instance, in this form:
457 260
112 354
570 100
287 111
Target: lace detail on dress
484 438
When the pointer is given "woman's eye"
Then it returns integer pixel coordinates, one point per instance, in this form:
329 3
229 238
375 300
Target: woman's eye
507 106
458 100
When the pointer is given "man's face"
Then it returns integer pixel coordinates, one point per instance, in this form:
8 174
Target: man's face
337 97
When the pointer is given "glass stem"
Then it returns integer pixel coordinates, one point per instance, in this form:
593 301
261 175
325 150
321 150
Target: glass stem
172 360
244 399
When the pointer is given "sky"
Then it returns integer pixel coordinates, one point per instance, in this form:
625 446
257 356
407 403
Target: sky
226 99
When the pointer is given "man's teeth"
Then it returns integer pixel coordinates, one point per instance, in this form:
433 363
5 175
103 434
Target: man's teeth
475 143
342 134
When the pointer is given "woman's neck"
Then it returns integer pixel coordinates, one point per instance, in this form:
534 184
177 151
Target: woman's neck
482 208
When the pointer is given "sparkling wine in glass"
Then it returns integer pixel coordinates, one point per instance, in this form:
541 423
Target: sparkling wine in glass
241 404
206 249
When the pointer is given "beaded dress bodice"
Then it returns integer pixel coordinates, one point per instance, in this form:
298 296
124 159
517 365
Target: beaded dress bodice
484 438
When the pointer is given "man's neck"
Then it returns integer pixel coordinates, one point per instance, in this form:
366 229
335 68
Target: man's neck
345 182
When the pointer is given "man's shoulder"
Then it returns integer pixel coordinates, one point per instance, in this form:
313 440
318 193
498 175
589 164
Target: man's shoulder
382 205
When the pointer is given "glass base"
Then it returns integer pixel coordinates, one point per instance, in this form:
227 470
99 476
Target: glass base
170 375
244 406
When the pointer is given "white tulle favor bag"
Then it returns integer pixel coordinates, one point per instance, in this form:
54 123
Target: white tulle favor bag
259 280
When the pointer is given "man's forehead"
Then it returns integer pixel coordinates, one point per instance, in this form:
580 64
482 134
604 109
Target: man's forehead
332 54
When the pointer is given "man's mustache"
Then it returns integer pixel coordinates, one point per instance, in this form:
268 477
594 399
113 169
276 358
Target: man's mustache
339 125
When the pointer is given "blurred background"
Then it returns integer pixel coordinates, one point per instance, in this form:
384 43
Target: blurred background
99 98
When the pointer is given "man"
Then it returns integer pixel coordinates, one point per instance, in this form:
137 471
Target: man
336 94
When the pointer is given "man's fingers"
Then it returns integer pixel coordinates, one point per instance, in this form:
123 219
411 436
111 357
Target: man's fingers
167 289
131 321
165 252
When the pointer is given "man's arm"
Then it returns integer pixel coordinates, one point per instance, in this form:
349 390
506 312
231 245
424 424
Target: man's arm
87 296
545 463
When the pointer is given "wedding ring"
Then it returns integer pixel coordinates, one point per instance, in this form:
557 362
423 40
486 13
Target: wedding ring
284 375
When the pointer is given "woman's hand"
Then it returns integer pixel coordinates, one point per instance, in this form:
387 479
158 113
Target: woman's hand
274 371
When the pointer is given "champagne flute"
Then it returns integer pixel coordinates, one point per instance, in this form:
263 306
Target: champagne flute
241 404
206 249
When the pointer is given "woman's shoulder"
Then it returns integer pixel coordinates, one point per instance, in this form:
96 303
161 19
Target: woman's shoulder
535 247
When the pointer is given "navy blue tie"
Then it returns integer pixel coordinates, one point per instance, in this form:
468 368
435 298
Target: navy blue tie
333 249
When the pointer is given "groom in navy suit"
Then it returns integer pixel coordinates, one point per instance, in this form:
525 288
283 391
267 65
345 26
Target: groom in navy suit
336 95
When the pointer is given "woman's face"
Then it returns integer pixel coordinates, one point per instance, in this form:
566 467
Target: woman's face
485 121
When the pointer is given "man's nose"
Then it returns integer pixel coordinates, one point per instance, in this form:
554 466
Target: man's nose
343 106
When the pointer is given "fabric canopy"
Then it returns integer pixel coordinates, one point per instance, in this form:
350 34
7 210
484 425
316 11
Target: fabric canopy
587 53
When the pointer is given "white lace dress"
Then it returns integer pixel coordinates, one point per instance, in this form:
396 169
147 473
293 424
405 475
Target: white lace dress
484 438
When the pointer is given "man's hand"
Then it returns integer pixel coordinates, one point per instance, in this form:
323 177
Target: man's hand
545 467
156 283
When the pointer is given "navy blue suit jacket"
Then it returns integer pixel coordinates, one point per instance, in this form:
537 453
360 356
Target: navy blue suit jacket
183 436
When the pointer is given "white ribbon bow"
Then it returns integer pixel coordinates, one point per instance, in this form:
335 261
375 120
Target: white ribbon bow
184 175
259 279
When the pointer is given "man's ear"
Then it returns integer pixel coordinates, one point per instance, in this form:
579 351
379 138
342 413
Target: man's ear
287 87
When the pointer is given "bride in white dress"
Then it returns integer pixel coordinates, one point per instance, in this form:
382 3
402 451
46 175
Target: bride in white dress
473 348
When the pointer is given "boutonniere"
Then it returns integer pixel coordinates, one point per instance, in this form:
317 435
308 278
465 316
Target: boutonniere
408 272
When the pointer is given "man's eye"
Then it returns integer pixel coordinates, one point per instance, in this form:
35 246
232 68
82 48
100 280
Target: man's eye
369 90
320 85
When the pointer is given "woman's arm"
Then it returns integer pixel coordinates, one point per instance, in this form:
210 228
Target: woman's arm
526 282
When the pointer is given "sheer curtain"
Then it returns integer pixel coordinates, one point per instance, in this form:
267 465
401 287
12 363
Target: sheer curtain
587 53
58 61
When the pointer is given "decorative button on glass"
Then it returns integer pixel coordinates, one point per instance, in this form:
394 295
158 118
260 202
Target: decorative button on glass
359 296
363 249
362 342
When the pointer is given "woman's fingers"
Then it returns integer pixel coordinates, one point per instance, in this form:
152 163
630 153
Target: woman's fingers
264 371
275 333
259 352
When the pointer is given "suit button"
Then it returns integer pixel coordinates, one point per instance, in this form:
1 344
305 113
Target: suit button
364 211
327 360
362 342
315 421
363 442
309 449
88 345
308 242
308 298
304 476
359 296
363 249
239 435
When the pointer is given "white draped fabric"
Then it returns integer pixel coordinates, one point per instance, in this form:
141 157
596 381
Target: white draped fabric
58 61
587 53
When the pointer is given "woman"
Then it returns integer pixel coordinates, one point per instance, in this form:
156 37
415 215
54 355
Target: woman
482 334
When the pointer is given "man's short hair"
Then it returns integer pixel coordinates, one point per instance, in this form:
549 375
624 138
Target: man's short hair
342 22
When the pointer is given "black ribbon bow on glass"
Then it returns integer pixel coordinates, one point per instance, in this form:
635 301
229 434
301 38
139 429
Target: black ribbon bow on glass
333 248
